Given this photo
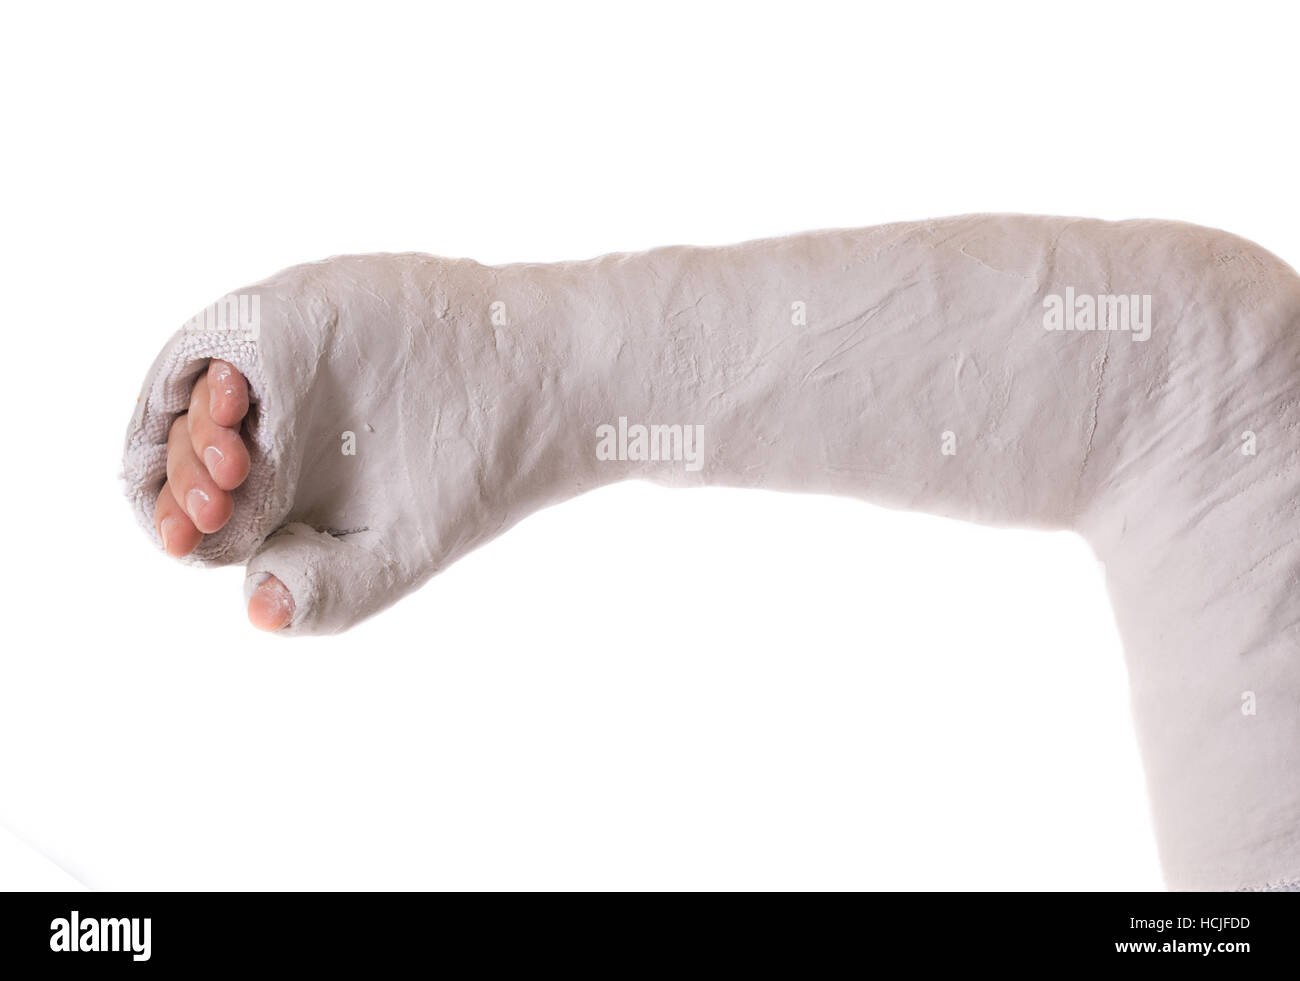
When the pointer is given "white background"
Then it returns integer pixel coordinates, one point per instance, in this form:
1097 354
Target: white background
643 687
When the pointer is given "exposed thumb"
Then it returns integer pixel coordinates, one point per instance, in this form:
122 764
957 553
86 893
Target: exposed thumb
333 581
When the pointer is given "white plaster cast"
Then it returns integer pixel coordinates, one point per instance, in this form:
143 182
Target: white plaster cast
838 361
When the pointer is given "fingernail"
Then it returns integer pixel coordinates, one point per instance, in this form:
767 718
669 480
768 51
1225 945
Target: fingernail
271 607
194 502
167 523
213 457
219 375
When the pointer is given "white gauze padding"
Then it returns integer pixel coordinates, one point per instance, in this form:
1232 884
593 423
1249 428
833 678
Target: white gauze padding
911 365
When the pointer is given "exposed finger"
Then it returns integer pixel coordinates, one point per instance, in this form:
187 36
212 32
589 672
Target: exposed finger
227 394
222 450
208 506
177 531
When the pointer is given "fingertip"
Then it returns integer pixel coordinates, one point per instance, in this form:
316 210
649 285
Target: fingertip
208 511
270 608
227 394
228 468
175 530
178 535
